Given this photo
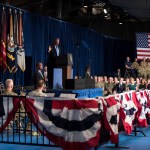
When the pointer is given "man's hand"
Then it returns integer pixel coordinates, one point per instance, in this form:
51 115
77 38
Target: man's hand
50 48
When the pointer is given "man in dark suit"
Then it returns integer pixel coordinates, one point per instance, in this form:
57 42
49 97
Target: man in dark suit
53 52
118 74
87 73
38 75
120 87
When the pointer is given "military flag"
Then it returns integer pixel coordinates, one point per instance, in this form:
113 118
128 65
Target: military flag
21 51
3 62
10 45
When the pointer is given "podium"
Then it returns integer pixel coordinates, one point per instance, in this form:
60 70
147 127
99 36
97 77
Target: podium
65 62
80 83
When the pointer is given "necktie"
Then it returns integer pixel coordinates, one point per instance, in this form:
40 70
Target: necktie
57 50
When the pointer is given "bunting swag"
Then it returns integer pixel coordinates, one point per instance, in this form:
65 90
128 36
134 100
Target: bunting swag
21 51
8 108
143 100
111 116
129 108
3 62
71 124
10 45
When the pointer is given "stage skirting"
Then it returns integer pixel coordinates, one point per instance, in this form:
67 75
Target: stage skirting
82 93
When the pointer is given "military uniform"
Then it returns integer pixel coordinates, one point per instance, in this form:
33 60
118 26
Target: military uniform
109 88
148 70
143 70
143 63
140 71
135 65
36 93
11 93
99 85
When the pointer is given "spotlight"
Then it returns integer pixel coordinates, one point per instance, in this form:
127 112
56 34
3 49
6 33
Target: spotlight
85 6
105 11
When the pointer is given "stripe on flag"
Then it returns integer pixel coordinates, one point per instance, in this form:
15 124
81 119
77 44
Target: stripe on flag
143 45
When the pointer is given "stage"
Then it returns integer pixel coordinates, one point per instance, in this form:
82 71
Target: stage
74 93
79 93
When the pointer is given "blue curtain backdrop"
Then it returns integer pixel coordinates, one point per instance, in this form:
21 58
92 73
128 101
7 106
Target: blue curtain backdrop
104 54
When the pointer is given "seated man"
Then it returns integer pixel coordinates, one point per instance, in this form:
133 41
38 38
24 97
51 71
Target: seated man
108 89
9 88
118 74
39 89
120 87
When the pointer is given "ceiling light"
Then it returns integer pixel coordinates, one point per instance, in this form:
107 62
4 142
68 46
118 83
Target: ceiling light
85 6
105 11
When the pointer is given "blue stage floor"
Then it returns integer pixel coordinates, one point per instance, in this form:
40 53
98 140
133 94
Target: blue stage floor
126 142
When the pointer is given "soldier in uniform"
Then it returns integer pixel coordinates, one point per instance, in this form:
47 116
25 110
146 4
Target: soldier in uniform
100 82
148 70
140 70
127 82
9 92
39 90
135 66
95 78
9 88
144 69
143 62
109 87
105 79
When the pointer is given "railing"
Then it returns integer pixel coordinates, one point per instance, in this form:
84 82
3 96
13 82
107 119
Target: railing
20 130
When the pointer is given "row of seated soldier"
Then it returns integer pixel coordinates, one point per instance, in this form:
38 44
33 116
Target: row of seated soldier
114 85
109 85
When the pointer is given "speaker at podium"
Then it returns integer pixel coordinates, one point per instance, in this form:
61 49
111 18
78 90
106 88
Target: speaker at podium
64 63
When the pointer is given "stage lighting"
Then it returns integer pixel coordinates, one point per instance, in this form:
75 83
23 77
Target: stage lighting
105 11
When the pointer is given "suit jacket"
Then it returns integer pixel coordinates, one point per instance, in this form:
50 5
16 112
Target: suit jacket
118 75
36 77
119 88
51 55
87 75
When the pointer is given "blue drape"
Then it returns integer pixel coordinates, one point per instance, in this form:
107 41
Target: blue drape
104 54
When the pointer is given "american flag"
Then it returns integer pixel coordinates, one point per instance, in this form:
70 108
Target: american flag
143 45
